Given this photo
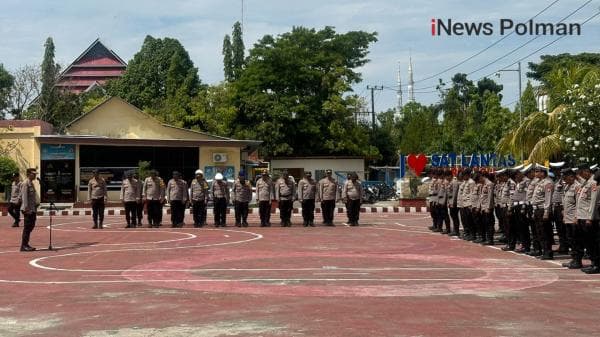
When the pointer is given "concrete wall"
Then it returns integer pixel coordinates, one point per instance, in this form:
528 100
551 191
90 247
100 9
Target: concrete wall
312 164
233 157
116 118
19 144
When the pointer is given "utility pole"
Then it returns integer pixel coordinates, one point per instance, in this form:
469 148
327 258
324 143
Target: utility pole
518 70
373 88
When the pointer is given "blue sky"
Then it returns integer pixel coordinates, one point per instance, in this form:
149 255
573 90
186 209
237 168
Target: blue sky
403 28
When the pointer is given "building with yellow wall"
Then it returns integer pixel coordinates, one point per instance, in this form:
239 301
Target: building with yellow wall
113 137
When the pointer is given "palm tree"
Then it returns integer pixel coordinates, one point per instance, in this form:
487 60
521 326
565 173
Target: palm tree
539 135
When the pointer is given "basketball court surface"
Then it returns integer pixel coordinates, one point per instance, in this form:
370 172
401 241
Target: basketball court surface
389 277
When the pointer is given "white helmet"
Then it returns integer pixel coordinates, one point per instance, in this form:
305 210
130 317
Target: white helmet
218 176
199 172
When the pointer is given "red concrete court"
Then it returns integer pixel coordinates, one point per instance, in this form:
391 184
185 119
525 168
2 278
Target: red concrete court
388 277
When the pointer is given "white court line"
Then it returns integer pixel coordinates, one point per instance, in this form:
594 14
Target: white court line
277 280
403 230
190 236
36 262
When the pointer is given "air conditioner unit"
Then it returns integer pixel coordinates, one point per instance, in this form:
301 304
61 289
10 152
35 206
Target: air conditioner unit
219 157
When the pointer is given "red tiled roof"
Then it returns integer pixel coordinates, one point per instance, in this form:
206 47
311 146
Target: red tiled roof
47 128
96 64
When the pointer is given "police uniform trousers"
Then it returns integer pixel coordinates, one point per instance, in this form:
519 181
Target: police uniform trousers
264 211
327 208
570 230
442 217
488 226
154 212
28 226
544 231
465 218
454 211
220 210
241 212
512 226
140 212
432 213
285 211
535 222
475 218
524 233
308 210
177 212
131 212
586 238
557 219
15 212
199 212
353 210
98 211
499 210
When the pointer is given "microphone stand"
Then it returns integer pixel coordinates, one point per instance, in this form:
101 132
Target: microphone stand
50 244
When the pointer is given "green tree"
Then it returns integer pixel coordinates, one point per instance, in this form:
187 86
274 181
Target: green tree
227 59
49 94
213 110
6 83
551 62
160 79
7 168
386 138
237 50
527 102
293 93
419 129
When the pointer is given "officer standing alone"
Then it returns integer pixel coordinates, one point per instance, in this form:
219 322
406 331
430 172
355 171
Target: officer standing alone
28 208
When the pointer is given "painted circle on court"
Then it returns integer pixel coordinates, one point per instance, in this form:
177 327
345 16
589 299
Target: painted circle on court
193 273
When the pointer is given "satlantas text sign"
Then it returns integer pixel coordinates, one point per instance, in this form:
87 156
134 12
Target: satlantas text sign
417 163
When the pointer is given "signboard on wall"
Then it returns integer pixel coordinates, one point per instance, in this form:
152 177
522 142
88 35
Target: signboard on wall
58 152
227 171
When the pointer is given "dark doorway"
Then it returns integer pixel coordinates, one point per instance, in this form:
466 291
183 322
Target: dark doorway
164 159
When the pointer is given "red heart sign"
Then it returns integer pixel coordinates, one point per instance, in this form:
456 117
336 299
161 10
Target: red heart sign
417 163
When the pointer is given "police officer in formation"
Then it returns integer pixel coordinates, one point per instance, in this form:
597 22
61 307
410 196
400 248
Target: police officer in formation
14 202
139 211
265 194
97 195
242 195
130 197
177 196
352 197
307 192
327 195
285 191
153 194
530 202
199 196
220 194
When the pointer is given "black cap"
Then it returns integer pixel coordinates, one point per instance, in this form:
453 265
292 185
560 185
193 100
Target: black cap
308 173
328 171
568 172
16 174
583 166
176 173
